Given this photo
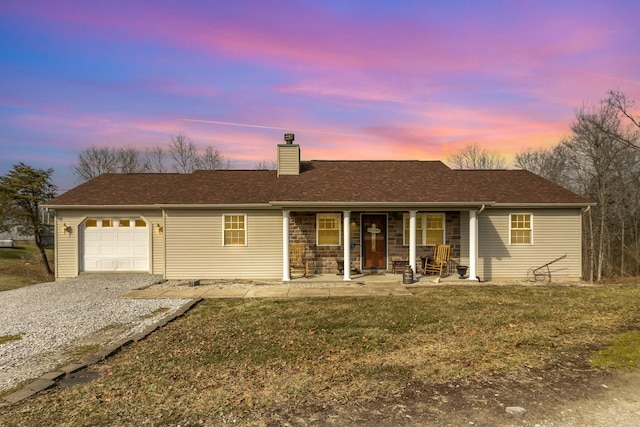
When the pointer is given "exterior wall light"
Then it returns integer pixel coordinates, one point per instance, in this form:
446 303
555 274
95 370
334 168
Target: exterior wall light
159 228
66 229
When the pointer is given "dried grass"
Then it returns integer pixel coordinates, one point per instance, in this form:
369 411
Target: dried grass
265 362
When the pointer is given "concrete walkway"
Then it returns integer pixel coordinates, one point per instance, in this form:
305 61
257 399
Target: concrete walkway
273 291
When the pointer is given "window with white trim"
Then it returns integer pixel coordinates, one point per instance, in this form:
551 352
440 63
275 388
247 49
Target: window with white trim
521 229
430 229
328 229
234 231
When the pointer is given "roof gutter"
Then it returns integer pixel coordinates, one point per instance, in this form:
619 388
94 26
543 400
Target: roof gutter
165 206
216 206
379 205
543 205
113 207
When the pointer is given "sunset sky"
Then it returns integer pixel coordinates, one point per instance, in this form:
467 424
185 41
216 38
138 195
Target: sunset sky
352 79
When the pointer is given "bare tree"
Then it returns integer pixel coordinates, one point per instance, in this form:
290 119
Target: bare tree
184 154
548 163
184 158
95 161
474 157
265 165
624 106
129 160
212 159
155 160
594 156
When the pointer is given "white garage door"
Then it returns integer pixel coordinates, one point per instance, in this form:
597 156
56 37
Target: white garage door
116 244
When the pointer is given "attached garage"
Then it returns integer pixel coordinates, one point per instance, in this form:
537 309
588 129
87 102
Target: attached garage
115 244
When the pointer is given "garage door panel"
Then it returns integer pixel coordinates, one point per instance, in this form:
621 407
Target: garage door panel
140 264
106 236
139 251
124 251
115 248
105 264
106 251
124 237
141 236
124 264
90 265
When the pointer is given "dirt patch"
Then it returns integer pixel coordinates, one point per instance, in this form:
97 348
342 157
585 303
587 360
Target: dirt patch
571 393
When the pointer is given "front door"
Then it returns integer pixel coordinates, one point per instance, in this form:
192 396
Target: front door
374 241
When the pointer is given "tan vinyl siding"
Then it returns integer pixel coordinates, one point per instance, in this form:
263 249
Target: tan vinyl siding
69 245
288 159
156 257
194 248
556 232
66 246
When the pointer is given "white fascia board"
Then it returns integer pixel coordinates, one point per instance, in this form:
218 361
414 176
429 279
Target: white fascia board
101 207
381 205
162 206
542 205
217 206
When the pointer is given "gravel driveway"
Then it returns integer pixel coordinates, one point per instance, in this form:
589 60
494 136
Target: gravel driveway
54 318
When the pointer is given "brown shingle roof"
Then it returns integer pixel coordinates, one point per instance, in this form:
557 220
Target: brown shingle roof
200 187
323 181
364 181
511 187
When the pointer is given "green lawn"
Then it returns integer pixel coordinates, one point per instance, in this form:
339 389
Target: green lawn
269 362
22 266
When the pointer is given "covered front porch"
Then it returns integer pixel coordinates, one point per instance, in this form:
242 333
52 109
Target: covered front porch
371 243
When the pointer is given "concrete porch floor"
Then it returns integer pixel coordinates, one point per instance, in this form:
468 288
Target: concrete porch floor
318 285
380 277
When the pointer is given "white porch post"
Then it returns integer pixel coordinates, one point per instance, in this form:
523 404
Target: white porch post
473 245
412 241
346 240
286 274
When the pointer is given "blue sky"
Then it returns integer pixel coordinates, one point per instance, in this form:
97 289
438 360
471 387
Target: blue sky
353 80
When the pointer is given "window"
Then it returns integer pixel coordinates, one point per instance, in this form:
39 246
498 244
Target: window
91 223
429 229
434 229
107 223
124 223
419 229
140 223
328 229
235 230
520 229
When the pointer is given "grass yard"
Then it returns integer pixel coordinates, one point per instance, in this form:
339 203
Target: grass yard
22 266
351 361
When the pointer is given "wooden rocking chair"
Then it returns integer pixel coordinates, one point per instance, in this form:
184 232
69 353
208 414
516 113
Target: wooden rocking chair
440 262
298 259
